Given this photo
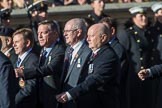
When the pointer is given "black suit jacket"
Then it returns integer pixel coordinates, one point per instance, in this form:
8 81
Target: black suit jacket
156 70
8 83
27 95
122 54
49 75
101 81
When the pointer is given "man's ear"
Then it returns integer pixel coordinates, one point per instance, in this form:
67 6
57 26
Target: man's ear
79 32
28 43
9 40
112 31
104 38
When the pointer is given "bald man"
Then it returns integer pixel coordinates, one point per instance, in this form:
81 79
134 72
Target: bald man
101 81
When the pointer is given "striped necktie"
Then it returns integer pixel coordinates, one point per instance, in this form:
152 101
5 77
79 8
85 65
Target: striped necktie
18 62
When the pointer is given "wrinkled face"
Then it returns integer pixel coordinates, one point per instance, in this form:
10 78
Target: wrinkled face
140 20
7 3
46 36
19 44
158 15
93 39
70 34
98 5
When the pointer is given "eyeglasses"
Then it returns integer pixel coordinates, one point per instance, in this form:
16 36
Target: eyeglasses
65 31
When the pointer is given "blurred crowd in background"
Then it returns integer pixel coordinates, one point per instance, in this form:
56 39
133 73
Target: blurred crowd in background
69 74
53 3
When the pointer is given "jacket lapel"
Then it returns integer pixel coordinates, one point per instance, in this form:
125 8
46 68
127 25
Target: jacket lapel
114 42
75 60
52 52
26 58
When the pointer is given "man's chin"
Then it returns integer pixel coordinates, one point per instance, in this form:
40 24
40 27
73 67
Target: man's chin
41 44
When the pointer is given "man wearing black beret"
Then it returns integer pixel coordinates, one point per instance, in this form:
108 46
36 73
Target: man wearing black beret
8 86
6 48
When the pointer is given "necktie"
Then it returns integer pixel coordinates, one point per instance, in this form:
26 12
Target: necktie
43 57
93 56
68 59
67 65
18 62
21 81
70 54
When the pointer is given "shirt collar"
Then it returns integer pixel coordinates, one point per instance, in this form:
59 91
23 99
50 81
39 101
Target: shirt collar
96 51
6 53
78 44
111 41
76 48
49 48
22 57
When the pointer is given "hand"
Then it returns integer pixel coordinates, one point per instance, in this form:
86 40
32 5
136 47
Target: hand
62 98
19 72
143 74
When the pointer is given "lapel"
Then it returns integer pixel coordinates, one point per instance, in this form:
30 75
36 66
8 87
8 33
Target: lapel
25 59
114 42
52 52
40 56
10 53
76 60
102 49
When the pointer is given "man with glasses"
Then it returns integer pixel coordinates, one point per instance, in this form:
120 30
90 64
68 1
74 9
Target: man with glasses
99 88
76 59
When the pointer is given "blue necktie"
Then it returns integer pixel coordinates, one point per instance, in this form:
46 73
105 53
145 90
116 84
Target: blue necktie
18 62
43 57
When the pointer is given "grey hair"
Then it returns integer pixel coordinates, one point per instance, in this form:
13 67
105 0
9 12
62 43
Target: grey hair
79 23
